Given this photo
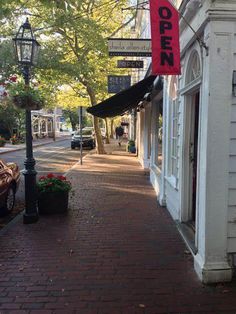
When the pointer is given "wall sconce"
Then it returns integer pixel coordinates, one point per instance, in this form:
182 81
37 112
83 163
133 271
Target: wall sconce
234 83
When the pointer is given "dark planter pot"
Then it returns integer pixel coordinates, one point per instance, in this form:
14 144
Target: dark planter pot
53 203
132 149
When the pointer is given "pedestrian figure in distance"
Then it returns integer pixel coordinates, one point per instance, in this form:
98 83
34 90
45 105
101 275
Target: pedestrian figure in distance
116 132
119 134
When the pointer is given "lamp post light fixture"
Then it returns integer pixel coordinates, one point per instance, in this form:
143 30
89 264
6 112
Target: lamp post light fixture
26 49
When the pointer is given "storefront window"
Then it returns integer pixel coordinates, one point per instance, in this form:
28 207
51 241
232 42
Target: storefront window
43 126
159 138
194 70
158 131
173 129
174 138
36 126
49 125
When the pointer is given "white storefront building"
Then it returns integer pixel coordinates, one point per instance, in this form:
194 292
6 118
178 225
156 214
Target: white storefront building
187 136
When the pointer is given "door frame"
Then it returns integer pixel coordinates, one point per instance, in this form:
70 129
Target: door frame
185 173
193 152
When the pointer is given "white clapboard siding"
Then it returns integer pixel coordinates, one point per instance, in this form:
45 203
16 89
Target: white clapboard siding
232 149
233 130
232 181
231 243
233 113
232 164
232 197
232 214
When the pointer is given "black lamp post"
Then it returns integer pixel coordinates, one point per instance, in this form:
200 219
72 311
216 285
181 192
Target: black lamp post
27 48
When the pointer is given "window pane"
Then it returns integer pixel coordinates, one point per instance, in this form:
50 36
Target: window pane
158 153
173 128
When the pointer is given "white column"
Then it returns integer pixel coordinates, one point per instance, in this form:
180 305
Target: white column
146 137
211 261
165 121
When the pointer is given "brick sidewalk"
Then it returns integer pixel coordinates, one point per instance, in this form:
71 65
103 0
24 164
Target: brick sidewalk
115 252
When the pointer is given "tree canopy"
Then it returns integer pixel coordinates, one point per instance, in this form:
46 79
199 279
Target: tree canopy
73 35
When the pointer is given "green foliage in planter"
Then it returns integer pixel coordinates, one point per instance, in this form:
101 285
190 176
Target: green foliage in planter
130 145
2 141
53 183
26 97
15 140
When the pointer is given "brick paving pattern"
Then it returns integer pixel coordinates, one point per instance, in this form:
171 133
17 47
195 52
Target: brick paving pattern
116 251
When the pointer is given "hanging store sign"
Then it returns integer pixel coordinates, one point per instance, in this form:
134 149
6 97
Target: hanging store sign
165 37
117 83
129 47
134 64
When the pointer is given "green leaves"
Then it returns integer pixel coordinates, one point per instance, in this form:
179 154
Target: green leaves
53 183
73 36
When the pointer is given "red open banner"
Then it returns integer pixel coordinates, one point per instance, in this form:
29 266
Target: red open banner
165 37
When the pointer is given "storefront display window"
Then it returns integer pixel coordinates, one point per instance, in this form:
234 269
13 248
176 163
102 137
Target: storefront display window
159 137
173 130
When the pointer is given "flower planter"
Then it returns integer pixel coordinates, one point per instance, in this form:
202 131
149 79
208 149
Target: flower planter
27 102
53 202
132 149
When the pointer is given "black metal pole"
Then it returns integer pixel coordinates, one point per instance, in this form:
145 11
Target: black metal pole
81 135
31 210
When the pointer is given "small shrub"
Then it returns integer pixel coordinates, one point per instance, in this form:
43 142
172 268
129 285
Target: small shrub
2 141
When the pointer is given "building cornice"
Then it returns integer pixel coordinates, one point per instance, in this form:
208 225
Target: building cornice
221 14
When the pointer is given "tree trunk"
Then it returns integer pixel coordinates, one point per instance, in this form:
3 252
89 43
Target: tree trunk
72 122
99 142
112 131
107 133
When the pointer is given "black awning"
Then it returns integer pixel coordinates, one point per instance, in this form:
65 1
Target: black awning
124 100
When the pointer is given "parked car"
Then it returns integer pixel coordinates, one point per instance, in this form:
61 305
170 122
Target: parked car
87 139
9 183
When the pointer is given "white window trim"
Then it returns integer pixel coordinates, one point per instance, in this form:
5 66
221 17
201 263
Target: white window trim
156 145
172 181
156 169
175 138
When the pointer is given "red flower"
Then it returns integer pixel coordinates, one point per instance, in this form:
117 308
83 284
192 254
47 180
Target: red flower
42 178
62 178
13 78
50 175
5 94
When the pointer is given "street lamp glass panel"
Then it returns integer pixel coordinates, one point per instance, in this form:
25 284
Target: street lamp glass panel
26 51
26 46
27 33
35 55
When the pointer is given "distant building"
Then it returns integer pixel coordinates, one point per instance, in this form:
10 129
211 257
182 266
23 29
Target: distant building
46 123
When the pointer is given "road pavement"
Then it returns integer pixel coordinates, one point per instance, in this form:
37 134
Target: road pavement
56 157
